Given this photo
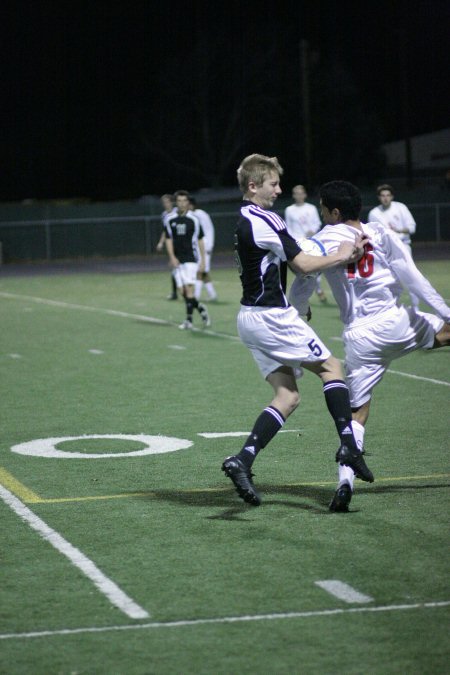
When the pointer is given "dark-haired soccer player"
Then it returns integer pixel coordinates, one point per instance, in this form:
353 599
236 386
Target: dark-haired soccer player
281 343
184 237
377 327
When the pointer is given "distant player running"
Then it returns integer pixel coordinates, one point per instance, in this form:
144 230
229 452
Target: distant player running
377 327
280 342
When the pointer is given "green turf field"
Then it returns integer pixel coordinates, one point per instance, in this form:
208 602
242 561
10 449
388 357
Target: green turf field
119 562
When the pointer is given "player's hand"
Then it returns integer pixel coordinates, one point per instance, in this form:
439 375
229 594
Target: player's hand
360 241
347 251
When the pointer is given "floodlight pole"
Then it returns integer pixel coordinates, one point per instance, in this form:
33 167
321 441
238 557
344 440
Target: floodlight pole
306 104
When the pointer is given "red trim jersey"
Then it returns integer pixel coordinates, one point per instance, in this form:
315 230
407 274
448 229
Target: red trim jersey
366 289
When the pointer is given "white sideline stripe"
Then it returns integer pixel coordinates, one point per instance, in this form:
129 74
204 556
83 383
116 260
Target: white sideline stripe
231 434
114 594
413 377
343 591
225 619
111 312
151 319
418 377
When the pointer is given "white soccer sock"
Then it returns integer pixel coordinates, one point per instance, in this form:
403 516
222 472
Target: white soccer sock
358 433
346 474
211 290
198 289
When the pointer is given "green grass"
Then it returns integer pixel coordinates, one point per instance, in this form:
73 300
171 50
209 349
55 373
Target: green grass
169 530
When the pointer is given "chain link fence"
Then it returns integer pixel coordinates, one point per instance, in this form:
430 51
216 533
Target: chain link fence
71 238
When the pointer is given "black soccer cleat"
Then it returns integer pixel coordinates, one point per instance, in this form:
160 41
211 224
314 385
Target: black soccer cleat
355 460
242 479
341 500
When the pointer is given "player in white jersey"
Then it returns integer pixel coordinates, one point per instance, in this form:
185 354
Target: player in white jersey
397 217
208 230
280 342
377 327
167 202
303 220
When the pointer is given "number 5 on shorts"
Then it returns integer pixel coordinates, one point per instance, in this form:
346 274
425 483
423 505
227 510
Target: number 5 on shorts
314 347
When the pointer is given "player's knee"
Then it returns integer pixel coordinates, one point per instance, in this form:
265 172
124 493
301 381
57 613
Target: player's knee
292 401
442 338
334 368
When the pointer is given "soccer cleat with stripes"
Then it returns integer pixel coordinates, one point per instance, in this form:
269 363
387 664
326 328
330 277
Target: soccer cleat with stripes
355 460
342 498
186 325
242 479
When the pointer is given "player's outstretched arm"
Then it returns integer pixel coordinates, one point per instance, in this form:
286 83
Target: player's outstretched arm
346 253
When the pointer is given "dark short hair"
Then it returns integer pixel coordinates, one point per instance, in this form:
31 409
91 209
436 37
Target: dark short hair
385 186
342 195
182 193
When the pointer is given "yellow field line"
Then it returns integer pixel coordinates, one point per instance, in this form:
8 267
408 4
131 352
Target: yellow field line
18 488
21 491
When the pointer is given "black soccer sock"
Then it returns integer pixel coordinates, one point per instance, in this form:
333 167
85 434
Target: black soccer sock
266 426
189 308
195 305
338 403
174 286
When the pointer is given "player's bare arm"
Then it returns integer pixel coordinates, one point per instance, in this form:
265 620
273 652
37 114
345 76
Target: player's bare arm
347 252
201 248
173 260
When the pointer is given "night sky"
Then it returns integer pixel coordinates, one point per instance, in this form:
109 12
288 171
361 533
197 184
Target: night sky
108 100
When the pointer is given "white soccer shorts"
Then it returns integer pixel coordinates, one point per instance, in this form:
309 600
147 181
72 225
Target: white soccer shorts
185 274
369 349
278 337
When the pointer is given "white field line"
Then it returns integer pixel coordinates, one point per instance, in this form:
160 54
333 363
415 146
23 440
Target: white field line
109 312
151 319
343 591
114 594
224 620
231 434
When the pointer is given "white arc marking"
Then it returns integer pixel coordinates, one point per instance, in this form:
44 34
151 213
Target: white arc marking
105 585
343 591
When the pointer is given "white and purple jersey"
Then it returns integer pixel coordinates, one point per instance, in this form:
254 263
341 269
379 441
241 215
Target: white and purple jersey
262 244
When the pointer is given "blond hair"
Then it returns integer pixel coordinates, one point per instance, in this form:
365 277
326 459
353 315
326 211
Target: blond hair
255 168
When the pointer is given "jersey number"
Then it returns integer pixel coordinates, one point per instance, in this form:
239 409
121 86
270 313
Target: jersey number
314 347
365 264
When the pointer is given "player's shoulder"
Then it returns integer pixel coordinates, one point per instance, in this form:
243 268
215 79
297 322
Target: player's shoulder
379 234
374 228
332 233
257 215
192 216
